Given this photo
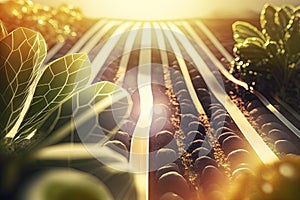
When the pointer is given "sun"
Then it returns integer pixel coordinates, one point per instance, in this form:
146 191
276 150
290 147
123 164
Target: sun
147 9
167 9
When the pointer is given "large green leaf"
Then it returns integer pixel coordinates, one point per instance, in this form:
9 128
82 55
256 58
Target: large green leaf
21 55
95 113
243 30
59 80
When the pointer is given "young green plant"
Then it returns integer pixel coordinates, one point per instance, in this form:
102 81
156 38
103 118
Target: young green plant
269 60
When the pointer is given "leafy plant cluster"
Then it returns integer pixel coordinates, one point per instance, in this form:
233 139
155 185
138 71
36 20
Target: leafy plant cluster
269 60
38 103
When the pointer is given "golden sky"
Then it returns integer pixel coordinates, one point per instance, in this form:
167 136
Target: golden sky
169 9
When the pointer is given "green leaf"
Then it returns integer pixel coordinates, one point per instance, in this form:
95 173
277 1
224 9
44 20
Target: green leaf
21 55
96 113
270 25
256 41
250 51
3 31
59 80
57 184
289 9
267 15
293 37
297 11
92 159
284 17
243 30
272 48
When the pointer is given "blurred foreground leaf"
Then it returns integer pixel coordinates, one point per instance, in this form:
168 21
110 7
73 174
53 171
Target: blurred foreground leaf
109 166
64 183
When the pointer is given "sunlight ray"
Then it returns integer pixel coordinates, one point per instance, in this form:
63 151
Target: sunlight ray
96 38
139 151
126 54
164 55
260 147
183 68
105 51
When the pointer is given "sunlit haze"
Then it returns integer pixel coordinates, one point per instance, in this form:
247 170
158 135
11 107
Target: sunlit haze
169 9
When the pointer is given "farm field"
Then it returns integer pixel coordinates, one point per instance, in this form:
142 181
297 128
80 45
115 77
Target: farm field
193 129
